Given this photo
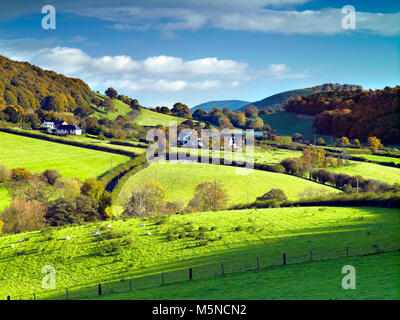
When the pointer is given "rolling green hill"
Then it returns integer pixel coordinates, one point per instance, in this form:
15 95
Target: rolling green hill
370 171
231 104
242 185
287 123
126 251
38 155
151 119
277 100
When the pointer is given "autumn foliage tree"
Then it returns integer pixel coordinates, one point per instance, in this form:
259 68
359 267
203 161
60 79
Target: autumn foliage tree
210 195
374 144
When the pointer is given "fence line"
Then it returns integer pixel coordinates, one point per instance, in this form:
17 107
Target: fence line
261 261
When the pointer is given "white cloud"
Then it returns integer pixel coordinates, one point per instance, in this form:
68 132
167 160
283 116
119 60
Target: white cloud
158 73
282 71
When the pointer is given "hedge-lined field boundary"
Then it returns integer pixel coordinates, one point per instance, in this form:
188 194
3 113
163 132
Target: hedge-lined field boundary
69 142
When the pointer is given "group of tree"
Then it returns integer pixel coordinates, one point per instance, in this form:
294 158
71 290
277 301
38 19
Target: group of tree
354 113
247 119
48 199
148 198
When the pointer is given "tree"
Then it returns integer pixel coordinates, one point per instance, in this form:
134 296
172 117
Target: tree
92 188
86 208
108 105
273 194
374 144
199 114
291 165
111 93
210 196
165 110
256 123
343 142
145 199
357 144
181 110
51 176
1 226
251 111
61 212
23 216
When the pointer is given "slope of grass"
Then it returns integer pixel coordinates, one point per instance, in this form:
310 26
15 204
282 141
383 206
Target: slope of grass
242 185
267 233
39 155
151 119
260 155
370 171
121 109
4 197
318 280
377 158
287 123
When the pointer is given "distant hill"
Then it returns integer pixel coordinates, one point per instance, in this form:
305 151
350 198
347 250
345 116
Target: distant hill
231 104
278 100
28 86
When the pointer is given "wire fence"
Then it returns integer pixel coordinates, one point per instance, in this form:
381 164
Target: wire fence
220 268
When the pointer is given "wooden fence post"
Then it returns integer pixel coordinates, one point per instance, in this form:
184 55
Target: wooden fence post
130 284
284 258
34 296
310 255
8 298
99 289
66 292
162 278
258 263
222 268
347 252
190 274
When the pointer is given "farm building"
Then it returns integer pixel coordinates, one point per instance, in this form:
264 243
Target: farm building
61 128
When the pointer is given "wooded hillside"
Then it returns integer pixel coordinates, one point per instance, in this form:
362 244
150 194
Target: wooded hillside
28 86
354 114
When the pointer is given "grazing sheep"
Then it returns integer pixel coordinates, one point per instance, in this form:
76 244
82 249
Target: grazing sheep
109 225
12 245
21 240
142 225
68 238
95 231
97 234
148 233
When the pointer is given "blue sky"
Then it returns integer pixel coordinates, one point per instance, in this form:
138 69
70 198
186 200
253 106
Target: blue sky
161 52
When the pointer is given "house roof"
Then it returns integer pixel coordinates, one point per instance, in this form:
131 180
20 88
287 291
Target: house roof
68 127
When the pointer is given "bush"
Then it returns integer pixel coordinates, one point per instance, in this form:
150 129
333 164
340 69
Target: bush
273 194
20 174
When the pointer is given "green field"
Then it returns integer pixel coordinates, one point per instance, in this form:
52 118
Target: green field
242 185
266 233
39 155
4 197
370 171
122 109
287 124
318 280
260 155
151 119
377 158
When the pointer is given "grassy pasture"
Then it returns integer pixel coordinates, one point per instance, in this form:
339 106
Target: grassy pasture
266 233
260 155
151 119
287 124
318 280
242 185
39 155
377 158
370 171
